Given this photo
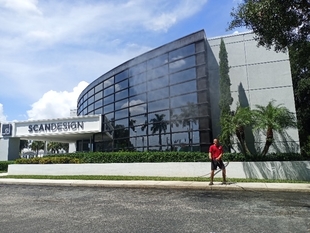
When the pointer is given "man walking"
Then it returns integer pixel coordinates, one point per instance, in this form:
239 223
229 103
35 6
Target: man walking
215 155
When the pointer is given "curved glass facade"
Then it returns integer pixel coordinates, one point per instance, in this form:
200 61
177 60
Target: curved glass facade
156 101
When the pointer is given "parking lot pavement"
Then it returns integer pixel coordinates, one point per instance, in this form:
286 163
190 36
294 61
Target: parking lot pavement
301 187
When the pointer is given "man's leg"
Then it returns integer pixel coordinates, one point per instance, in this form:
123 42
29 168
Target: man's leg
224 175
211 177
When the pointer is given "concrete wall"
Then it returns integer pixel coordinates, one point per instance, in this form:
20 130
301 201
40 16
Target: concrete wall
9 149
257 76
297 170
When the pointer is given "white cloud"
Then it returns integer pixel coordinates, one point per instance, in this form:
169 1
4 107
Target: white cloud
21 6
55 104
2 116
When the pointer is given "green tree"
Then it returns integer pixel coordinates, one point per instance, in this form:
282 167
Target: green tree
300 67
188 117
36 146
159 125
225 94
270 119
278 23
235 124
23 144
54 147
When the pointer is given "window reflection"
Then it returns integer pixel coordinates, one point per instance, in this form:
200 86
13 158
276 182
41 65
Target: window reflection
157 72
108 91
98 104
137 89
183 76
182 64
158 94
108 82
158 105
122 85
121 95
98 96
137 108
109 99
140 78
157 83
91 100
137 69
99 87
121 76
121 114
182 52
183 88
157 61
141 97
183 99
121 104
108 108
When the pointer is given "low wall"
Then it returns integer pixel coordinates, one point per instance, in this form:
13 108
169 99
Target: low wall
295 170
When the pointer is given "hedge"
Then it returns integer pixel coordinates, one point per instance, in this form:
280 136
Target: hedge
4 165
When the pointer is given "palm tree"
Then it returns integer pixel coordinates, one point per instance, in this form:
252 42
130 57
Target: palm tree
273 118
235 124
54 147
188 117
36 146
160 125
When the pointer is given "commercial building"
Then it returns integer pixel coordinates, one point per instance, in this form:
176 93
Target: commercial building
168 98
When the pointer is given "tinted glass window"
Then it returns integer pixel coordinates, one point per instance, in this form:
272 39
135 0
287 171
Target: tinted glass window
98 96
158 83
158 94
98 104
98 111
121 104
137 89
141 97
140 78
108 100
123 122
90 107
108 91
158 105
157 61
108 82
183 76
183 99
182 64
108 108
137 69
91 100
121 114
121 76
137 108
98 87
183 88
91 92
157 72
121 95
121 85
182 52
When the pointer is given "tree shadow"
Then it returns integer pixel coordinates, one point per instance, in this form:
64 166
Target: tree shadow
249 139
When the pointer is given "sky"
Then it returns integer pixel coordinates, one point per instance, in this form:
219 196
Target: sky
51 50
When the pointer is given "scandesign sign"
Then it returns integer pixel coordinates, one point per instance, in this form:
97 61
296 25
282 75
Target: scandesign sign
56 127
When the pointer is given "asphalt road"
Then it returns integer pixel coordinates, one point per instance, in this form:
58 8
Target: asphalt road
31 209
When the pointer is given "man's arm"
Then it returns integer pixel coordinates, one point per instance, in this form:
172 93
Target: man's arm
210 157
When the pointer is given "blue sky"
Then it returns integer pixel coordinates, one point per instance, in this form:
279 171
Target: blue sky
51 50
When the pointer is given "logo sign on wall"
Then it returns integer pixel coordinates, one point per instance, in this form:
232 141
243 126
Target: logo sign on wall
7 130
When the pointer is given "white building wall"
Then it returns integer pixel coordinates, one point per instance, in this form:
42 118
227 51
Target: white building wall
264 75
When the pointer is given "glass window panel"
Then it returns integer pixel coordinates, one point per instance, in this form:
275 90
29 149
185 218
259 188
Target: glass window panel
180 140
183 76
98 111
166 114
98 95
138 98
121 76
98 88
91 92
108 82
121 114
182 52
98 104
110 116
139 78
109 99
91 113
182 64
137 69
108 108
138 122
158 105
121 85
183 88
121 104
121 95
157 72
183 99
90 107
108 91
158 83
157 61
137 89
123 122
158 94
137 109
91 100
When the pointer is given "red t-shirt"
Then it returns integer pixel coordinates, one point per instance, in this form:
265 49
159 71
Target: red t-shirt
215 151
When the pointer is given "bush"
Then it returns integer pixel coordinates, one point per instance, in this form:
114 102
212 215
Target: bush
48 160
4 165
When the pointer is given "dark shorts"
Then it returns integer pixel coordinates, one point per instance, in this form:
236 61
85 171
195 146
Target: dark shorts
217 163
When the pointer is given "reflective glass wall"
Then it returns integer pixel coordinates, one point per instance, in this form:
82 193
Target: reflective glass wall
159 102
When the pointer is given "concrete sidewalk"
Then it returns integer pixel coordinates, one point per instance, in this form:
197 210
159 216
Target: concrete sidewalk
296 187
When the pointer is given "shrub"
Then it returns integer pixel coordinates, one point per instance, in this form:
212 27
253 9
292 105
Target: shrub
4 165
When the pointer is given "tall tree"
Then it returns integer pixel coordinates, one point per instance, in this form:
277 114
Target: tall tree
272 118
278 23
225 94
23 144
300 67
36 146
159 125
